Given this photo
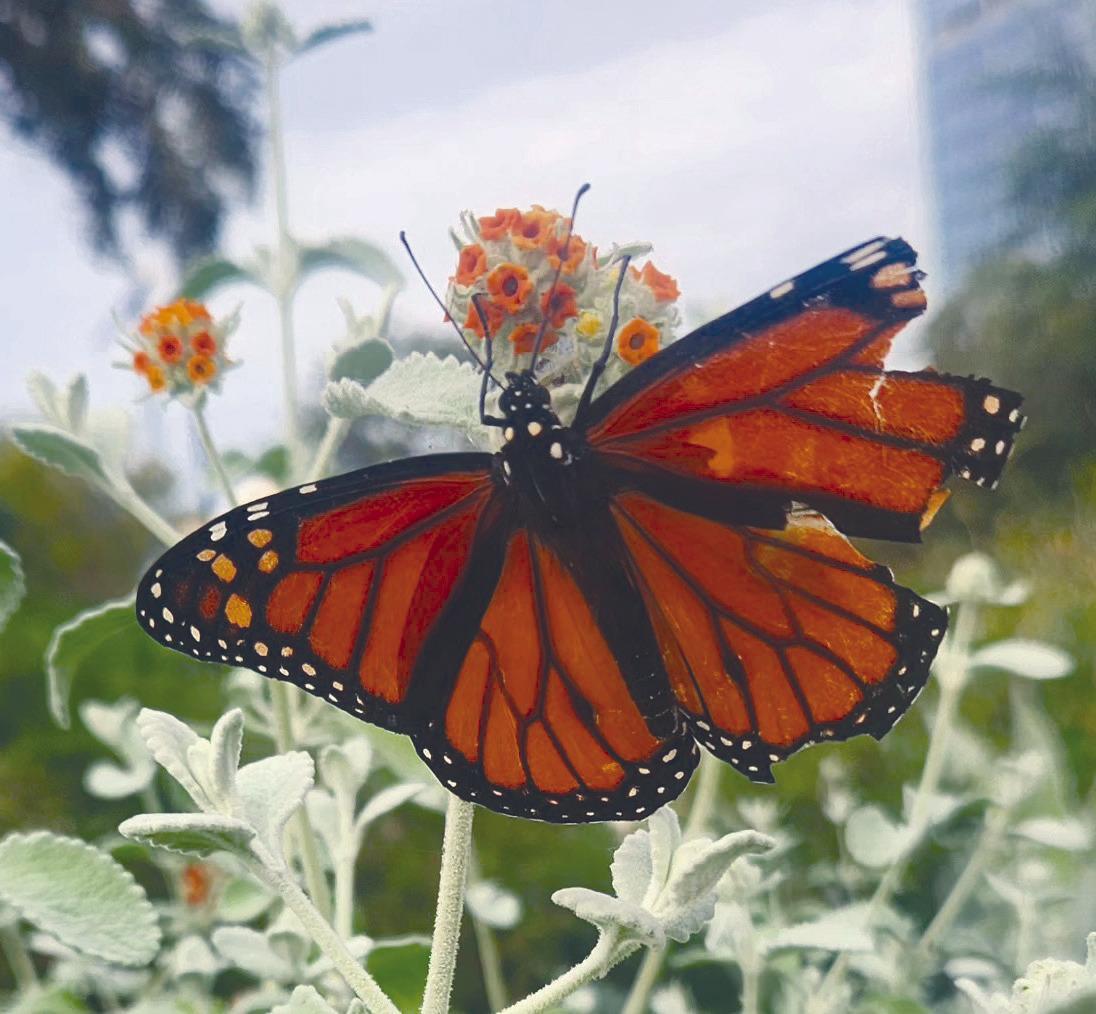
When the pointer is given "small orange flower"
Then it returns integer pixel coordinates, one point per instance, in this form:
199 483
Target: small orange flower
197 884
181 313
201 369
663 286
495 316
535 228
637 341
155 377
170 348
204 343
524 337
563 306
509 286
576 253
141 362
496 226
472 264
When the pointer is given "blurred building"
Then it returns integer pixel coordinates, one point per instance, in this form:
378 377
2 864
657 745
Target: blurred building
979 110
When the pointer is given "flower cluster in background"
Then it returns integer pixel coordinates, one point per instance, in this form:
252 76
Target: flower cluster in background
511 259
179 349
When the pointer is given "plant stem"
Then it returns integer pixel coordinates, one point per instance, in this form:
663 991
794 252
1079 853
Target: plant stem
285 257
277 877
214 455
282 705
493 983
333 436
595 965
22 968
705 796
127 498
951 671
991 834
455 851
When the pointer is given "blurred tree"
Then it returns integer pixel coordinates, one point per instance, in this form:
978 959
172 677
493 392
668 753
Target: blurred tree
138 104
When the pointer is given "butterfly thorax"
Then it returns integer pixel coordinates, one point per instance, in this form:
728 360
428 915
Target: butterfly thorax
538 451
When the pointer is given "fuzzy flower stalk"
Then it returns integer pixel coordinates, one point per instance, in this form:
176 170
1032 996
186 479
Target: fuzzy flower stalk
511 258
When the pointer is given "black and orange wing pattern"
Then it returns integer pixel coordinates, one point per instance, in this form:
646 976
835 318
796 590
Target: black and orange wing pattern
776 639
787 396
557 708
330 585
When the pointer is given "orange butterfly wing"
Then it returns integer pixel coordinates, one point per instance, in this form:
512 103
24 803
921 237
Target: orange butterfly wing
787 396
332 585
773 640
548 714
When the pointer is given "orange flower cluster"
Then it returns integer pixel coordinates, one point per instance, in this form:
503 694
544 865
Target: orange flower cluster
179 349
511 258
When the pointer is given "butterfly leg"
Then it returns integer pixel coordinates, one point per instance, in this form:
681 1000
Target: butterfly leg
489 342
599 367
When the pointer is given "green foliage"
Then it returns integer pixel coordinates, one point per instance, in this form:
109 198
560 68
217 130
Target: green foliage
12 583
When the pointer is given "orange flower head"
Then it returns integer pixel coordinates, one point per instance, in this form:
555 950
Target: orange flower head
170 348
509 287
498 225
563 306
663 286
495 317
156 379
576 252
524 337
204 343
180 314
201 369
197 884
535 228
472 264
637 341
141 362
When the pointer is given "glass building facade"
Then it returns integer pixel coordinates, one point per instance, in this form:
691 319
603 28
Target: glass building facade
979 109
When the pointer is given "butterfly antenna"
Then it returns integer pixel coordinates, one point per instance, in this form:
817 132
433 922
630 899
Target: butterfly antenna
555 278
489 340
438 300
599 367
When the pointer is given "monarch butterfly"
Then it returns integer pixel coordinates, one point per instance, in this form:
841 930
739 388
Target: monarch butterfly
560 626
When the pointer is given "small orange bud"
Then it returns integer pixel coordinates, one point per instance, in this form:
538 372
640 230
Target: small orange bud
141 362
155 377
170 348
201 369
663 286
637 341
524 337
563 306
509 287
204 343
472 264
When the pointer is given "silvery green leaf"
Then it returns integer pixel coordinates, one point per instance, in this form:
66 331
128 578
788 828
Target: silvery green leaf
56 999
80 895
671 999
270 790
107 780
974 578
351 254
192 958
384 802
665 831
363 361
873 840
225 742
699 864
843 929
939 806
170 742
249 950
603 911
54 447
288 938
330 33
1007 890
13 585
631 867
192 834
360 947
323 815
1033 660
420 389
305 1000
205 276
1067 833
43 393
113 724
344 767
242 899
356 1007
76 403
493 905
71 641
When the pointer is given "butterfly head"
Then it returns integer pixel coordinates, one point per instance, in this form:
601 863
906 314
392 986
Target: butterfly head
533 435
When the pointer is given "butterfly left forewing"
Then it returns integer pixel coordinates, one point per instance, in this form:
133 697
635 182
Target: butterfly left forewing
330 585
776 639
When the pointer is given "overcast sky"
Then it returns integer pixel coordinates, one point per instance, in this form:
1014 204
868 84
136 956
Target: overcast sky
745 140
